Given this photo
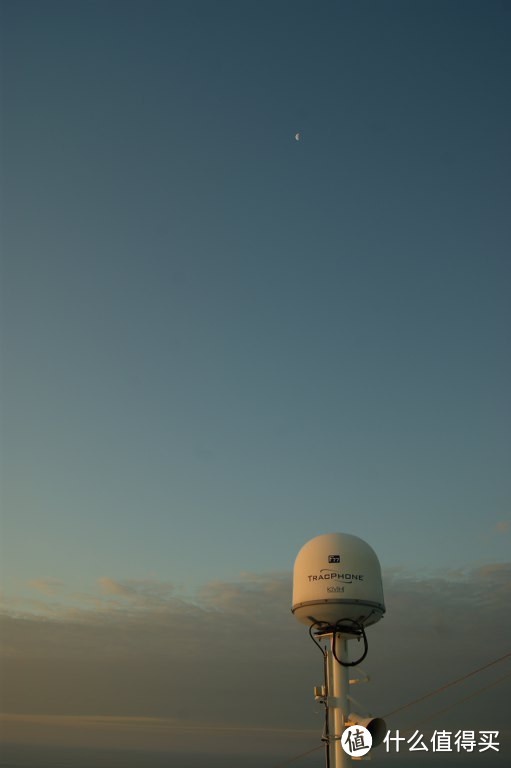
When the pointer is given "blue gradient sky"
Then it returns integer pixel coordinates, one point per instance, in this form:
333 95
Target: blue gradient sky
219 342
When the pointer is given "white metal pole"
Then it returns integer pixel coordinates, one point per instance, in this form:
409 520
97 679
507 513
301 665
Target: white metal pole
337 688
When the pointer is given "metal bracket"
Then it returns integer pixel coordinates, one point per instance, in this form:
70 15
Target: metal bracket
365 679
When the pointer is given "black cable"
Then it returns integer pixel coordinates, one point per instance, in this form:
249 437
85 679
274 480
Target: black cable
326 628
317 624
359 632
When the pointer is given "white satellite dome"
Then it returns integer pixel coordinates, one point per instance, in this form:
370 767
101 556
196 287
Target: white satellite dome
337 577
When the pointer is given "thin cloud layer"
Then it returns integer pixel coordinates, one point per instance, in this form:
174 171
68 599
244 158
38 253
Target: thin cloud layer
503 526
235 659
46 586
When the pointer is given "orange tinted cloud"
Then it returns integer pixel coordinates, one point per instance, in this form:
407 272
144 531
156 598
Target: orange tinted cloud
46 586
132 664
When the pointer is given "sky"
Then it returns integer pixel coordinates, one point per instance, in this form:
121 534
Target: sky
218 342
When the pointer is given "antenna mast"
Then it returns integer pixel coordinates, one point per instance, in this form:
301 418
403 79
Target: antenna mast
337 591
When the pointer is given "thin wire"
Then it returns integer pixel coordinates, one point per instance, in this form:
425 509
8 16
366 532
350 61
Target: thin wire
297 757
415 701
460 701
425 719
447 685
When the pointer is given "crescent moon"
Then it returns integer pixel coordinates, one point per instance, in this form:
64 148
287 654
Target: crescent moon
297 136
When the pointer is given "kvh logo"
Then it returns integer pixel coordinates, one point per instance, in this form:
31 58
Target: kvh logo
334 558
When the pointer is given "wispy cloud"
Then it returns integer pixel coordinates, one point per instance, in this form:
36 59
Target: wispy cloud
134 651
503 526
46 586
134 589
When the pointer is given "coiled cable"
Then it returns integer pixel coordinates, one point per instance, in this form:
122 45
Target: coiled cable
359 632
